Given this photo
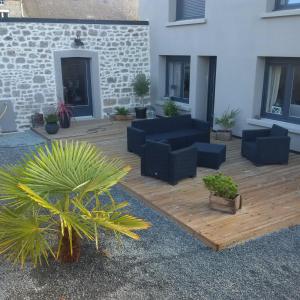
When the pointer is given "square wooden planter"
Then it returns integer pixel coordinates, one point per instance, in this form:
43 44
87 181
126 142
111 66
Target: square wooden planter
123 118
225 205
223 135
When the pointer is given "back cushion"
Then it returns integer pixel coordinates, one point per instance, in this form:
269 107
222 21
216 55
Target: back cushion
164 124
278 131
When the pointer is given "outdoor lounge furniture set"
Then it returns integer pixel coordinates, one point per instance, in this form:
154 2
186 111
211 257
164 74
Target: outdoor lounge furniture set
172 148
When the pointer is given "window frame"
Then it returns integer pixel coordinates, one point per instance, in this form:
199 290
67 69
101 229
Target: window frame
179 9
286 5
4 14
183 60
289 82
2 2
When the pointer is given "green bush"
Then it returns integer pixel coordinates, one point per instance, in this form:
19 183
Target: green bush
221 185
141 86
170 109
51 119
227 120
122 111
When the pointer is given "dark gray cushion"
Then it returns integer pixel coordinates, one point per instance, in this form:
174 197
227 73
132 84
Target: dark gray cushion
171 134
164 124
278 131
249 150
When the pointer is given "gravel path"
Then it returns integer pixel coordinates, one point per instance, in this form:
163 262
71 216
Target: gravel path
167 263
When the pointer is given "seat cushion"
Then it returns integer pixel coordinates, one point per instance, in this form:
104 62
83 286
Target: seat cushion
278 131
209 148
210 155
171 134
163 125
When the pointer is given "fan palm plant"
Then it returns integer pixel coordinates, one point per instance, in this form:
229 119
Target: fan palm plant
54 198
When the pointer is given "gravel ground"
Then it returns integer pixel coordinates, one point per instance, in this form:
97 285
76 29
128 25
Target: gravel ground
167 263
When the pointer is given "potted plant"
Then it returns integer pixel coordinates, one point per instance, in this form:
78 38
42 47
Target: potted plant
37 120
226 122
51 124
64 114
224 194
141 87
122 114
170 109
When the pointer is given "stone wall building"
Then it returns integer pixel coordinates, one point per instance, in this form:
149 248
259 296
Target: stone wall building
33 75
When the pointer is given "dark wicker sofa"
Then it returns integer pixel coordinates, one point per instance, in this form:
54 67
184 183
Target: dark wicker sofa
181 131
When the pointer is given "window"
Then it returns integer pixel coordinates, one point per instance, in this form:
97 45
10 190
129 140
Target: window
287 4
281 99
4 14
190 9
178 78
2 2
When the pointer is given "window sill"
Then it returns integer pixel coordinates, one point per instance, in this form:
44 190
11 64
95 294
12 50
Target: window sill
281 13
187 22
268 123
181 106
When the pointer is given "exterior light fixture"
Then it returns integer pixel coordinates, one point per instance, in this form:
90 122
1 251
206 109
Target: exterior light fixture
77 41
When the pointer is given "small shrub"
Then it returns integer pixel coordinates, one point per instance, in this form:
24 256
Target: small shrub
221 185
51 118
122 111
141 86
170 109
227 120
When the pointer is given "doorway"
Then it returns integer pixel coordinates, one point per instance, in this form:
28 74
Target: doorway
211 89
77 89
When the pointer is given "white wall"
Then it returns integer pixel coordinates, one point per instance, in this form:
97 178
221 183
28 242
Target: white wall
236 32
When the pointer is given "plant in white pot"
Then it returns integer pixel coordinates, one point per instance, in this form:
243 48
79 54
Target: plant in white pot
226 122
141 88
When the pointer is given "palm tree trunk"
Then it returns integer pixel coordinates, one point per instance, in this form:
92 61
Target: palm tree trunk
65 255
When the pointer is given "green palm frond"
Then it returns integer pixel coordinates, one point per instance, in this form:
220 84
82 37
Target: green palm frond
23 237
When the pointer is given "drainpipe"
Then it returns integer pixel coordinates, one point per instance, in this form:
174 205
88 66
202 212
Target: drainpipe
2 114
22 8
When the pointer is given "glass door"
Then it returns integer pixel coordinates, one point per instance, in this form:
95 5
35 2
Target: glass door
76 76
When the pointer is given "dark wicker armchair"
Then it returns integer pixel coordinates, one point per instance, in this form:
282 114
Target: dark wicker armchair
266 146
159 161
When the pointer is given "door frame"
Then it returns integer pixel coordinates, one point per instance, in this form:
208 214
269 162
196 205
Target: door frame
211 89
95 76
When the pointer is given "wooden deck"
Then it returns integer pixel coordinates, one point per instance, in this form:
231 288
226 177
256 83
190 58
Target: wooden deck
271 194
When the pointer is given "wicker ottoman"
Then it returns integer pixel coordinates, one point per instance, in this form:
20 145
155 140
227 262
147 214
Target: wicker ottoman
210 155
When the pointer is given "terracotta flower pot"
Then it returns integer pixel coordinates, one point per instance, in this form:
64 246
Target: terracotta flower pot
225 205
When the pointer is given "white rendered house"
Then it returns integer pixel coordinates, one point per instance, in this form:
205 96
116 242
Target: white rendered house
208 55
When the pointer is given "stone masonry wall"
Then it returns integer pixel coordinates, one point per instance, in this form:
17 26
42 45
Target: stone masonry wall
27 72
